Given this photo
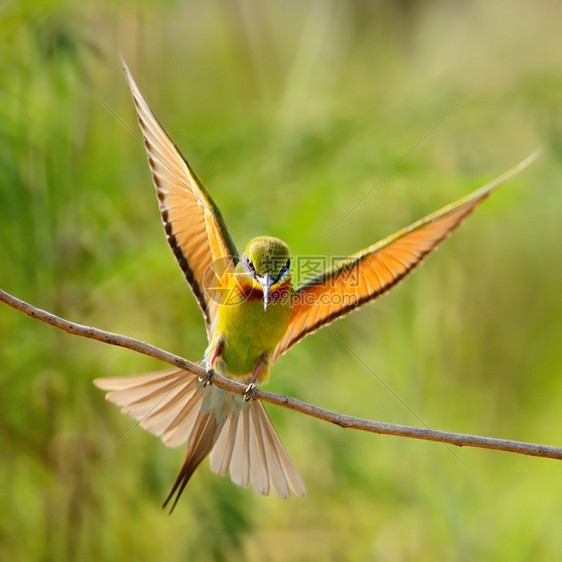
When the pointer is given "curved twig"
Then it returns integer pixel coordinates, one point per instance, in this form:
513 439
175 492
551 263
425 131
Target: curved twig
459 439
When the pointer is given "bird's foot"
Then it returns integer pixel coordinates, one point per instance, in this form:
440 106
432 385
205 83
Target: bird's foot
207 377
250 392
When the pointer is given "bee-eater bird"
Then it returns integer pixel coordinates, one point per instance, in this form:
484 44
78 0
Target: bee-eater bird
252 315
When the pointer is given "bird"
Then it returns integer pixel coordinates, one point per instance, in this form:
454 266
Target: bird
253 315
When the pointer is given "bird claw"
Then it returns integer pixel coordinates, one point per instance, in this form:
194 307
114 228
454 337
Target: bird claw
207 377
250 392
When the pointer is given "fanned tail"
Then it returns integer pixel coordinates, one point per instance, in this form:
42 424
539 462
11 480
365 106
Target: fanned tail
249 446
239 435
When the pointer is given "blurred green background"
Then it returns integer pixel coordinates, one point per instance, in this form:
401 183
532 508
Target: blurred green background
291 112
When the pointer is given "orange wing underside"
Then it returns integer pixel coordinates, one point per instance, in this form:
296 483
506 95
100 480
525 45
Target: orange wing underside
194 226
373 271
362 279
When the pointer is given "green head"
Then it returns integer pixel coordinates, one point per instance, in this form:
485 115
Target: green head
267 260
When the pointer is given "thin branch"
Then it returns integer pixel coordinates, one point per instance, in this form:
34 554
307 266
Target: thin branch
459 439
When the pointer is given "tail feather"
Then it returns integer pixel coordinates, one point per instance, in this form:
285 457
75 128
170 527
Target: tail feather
240 463
279 481
172 418
174 427
221 455
238 435
205 433
146 395
158 411
259 473
279 463
173 394
159 400
132 381
181 427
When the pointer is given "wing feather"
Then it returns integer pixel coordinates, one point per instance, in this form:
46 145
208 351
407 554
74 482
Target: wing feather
193 223
374 270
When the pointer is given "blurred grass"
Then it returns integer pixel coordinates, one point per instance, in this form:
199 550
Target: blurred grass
291 112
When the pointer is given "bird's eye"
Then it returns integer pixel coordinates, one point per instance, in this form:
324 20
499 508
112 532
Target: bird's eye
250 264
284 270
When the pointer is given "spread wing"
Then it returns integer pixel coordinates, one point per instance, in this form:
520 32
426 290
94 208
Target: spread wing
374 270
193 223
